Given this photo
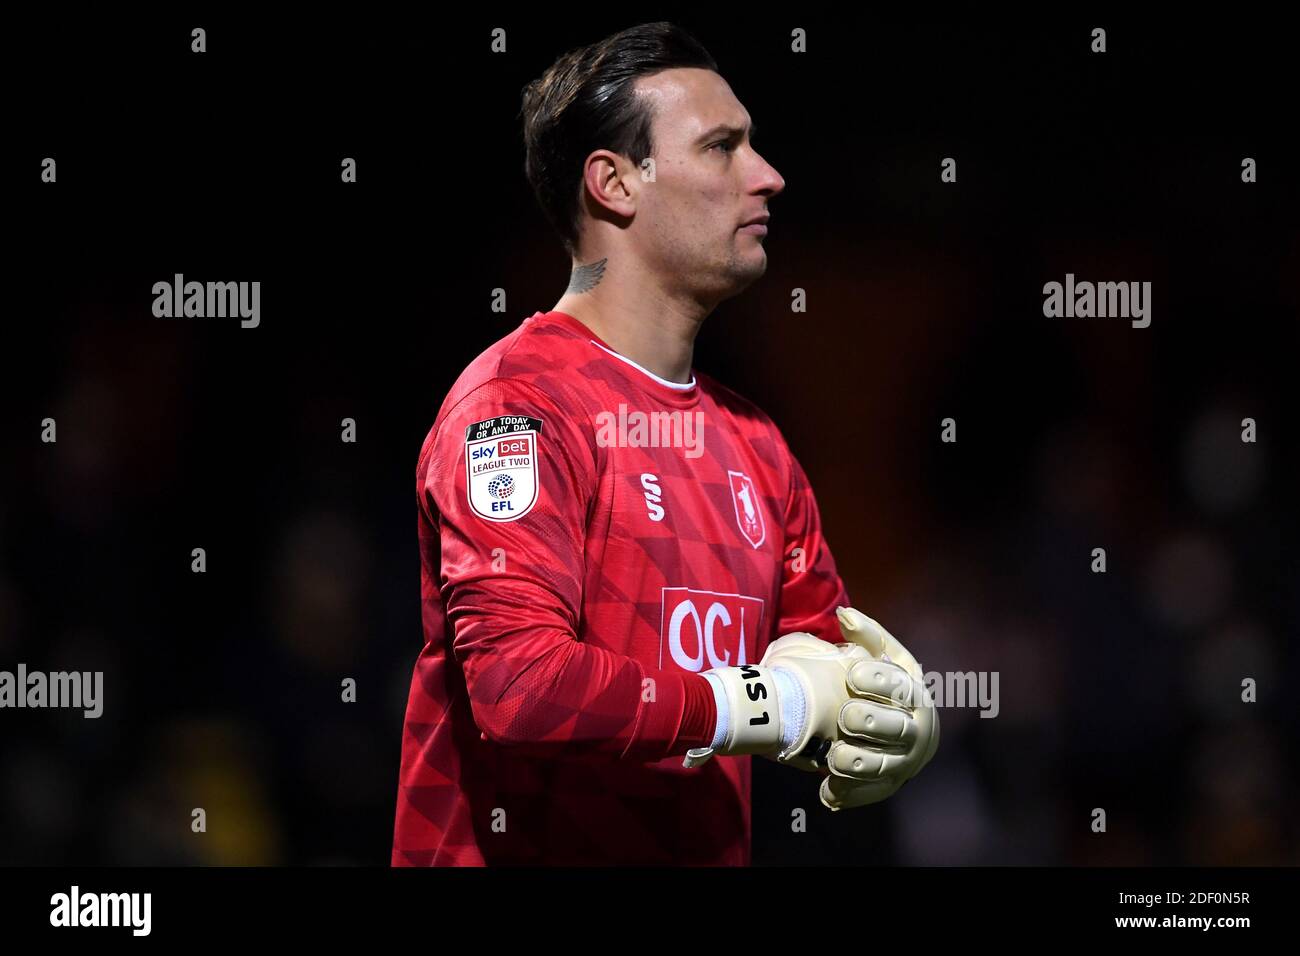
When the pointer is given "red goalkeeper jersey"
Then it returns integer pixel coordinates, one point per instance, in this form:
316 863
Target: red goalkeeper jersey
592 537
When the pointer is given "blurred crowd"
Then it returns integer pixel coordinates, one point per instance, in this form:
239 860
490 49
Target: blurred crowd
1118 690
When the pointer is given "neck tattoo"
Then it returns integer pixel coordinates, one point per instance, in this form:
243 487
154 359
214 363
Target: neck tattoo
585 278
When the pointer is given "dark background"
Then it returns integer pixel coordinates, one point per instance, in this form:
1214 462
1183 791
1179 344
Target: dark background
222 690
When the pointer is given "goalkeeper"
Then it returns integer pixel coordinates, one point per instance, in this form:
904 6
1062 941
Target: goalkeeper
625 587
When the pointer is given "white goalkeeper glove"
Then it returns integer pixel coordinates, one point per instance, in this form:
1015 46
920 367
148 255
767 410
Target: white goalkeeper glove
858 712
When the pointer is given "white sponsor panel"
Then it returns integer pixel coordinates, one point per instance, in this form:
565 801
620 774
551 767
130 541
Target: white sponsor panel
700 629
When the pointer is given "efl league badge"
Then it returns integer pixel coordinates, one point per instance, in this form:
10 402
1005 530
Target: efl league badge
749 513
501 466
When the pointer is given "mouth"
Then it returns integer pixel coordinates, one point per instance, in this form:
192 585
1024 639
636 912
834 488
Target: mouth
756 226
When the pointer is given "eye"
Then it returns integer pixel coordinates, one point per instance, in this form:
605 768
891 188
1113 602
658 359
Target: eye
724 142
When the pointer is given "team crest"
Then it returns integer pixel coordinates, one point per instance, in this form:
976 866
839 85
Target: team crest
749 514
501 466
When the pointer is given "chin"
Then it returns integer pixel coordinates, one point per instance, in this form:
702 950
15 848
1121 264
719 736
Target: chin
753 268
743 278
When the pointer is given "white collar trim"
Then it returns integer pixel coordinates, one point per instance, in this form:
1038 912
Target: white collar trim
645 371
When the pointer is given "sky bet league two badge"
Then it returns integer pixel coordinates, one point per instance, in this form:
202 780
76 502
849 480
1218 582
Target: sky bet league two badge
501 466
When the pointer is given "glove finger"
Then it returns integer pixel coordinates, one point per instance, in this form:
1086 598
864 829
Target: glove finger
857 762
860 629
885 682
839 793
864 720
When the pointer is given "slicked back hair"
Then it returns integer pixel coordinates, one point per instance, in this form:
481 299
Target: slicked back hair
585 102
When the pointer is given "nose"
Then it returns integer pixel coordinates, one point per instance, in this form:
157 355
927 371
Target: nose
769 180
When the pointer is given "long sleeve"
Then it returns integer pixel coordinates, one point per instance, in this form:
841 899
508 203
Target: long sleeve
509 478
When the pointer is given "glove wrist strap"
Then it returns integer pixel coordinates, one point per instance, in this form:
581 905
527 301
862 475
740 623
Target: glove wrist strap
751 723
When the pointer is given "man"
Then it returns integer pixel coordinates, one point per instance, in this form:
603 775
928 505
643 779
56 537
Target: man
610 541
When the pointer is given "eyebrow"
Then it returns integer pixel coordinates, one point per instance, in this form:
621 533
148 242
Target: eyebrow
726 131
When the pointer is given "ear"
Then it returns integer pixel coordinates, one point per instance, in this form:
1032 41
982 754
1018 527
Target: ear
611 185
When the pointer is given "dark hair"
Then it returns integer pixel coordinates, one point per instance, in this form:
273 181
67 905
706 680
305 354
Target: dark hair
584 102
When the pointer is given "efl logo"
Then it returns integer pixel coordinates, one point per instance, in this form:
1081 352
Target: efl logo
501 467
706 629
